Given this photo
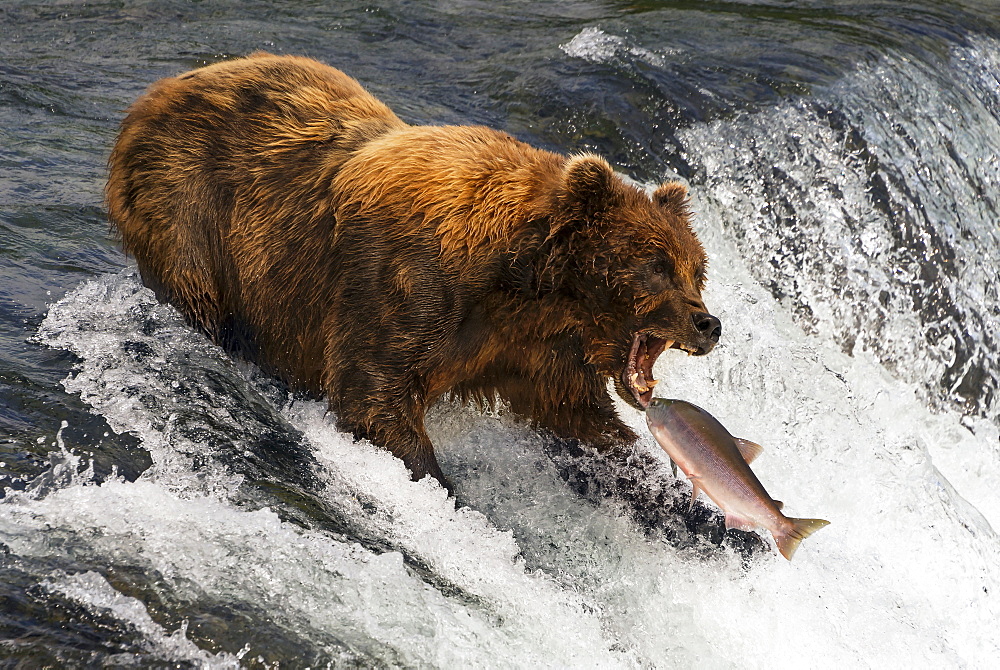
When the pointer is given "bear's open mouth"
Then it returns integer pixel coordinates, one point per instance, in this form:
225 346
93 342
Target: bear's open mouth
638 374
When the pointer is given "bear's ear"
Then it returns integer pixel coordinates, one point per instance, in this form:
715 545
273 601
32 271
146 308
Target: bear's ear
589 185
672 196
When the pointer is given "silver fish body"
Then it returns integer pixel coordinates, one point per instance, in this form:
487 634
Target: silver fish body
719 464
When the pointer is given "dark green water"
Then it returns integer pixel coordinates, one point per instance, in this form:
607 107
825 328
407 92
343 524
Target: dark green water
842 157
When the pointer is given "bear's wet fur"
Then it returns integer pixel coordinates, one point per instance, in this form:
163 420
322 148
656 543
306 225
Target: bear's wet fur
297 221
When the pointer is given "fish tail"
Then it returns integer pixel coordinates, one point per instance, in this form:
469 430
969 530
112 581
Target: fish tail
789 541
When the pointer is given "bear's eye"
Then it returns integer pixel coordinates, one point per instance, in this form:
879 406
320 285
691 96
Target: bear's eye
661 275
662 267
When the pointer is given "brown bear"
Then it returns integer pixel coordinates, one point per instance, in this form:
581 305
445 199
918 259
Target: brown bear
296 220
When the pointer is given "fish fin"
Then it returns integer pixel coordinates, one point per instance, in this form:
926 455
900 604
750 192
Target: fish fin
737 521
673 468
749 450
801 529
780 505
695 490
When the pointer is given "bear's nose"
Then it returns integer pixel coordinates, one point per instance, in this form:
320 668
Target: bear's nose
707 325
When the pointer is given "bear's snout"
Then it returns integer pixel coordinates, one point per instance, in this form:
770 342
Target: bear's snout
709 327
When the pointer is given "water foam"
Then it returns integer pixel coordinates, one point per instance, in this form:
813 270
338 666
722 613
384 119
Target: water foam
334 594
94 592
597 46
527 572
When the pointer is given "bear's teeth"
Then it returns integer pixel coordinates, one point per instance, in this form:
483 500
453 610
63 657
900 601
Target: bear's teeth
653 382
636 385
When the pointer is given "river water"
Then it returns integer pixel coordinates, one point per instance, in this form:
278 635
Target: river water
164 506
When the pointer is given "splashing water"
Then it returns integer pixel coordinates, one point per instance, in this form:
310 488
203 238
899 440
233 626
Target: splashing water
528 572
92 591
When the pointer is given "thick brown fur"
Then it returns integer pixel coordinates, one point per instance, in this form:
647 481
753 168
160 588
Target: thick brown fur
300 223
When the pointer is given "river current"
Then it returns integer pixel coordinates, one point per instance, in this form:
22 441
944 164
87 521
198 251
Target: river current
165 506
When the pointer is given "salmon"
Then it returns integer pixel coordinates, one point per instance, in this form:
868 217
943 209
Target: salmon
718 464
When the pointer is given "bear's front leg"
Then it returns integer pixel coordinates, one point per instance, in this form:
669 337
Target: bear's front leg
593 421
579 408
399 430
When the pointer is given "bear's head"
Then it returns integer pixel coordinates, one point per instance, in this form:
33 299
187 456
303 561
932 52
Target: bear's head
634 268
